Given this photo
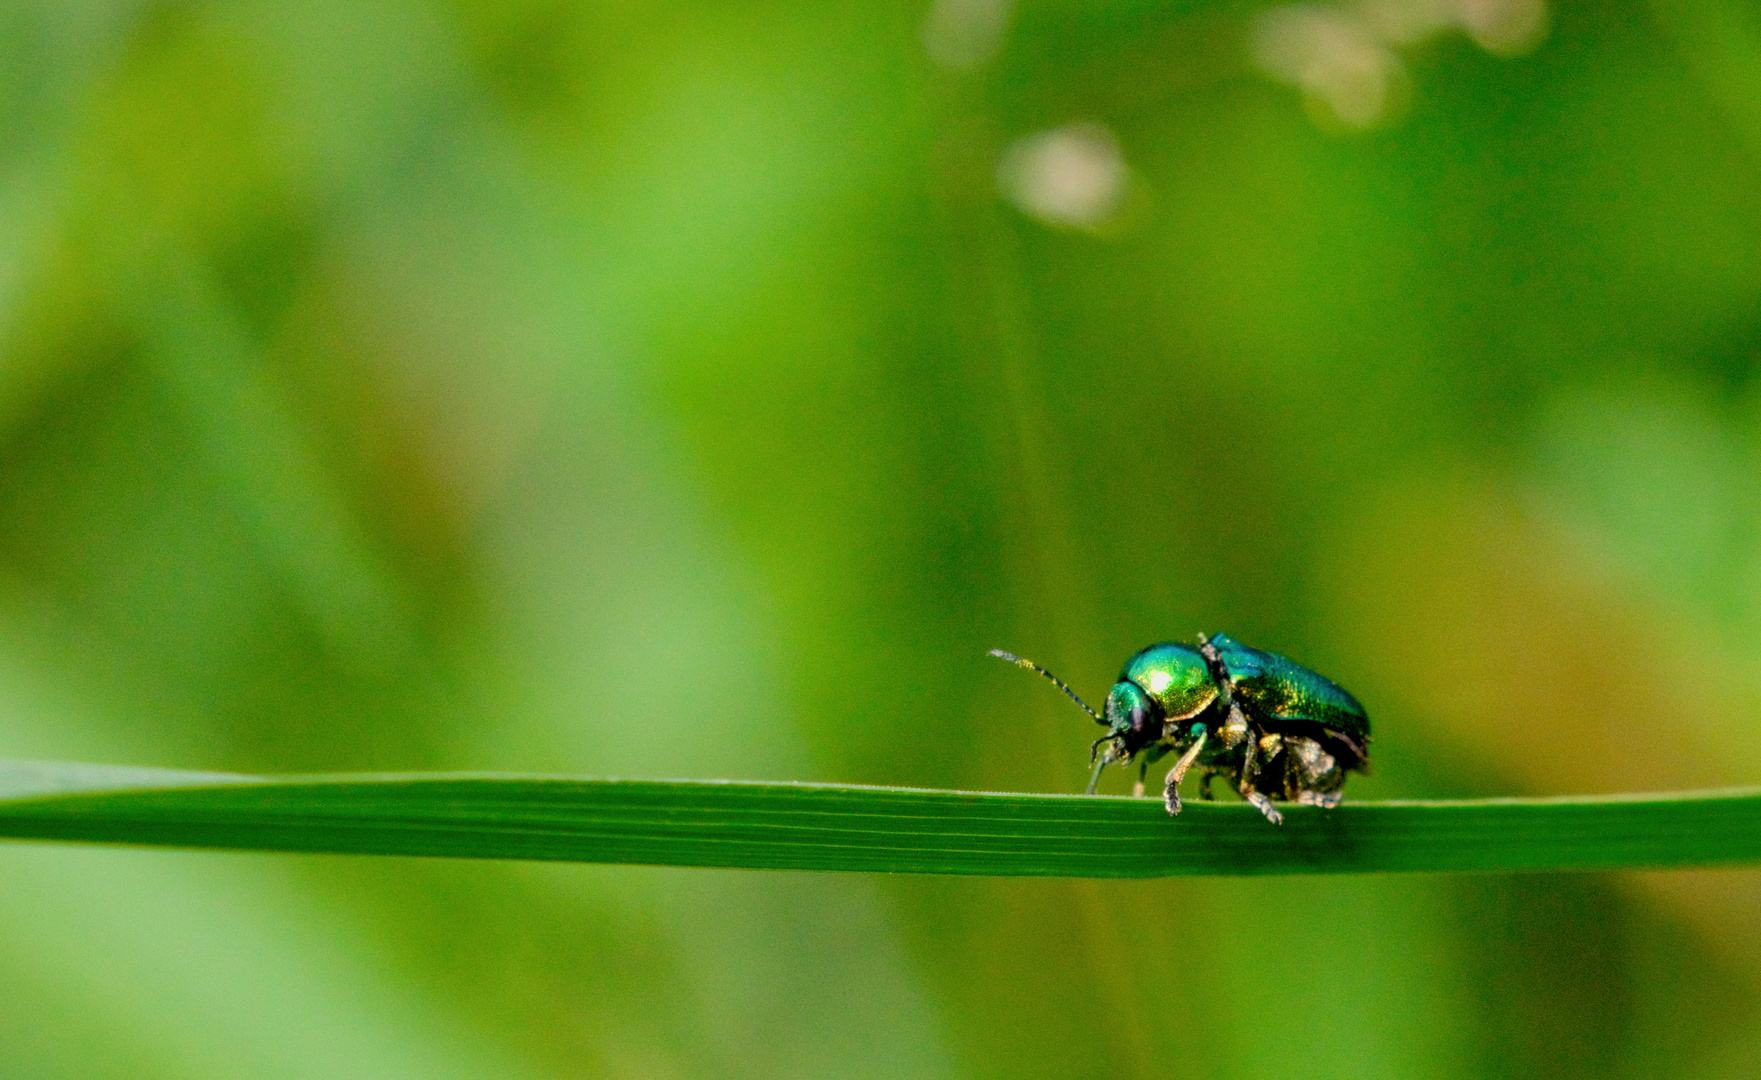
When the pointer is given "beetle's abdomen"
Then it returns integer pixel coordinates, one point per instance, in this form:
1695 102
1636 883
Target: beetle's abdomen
1285 694
1289 691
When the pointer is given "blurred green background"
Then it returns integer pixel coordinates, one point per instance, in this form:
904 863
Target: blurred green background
701 389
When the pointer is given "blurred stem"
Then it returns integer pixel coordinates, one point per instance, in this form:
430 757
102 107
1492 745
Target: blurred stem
991 325
989 301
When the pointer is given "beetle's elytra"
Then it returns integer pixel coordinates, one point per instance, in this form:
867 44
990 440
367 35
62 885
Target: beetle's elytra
1275 729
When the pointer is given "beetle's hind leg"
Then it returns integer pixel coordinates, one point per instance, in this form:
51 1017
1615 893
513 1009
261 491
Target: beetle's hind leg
1264 806
1318 774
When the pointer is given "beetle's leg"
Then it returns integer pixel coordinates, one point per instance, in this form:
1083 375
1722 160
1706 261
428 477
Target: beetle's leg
1171 792
1094 749
1094 778
1259 801
1277 780
1316 767
1236 728
1204 785
1103 752
1363 761
1264 806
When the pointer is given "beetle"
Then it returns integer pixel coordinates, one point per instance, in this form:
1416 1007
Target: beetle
1275 729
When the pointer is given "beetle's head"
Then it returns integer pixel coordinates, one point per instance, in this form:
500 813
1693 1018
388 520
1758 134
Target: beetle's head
1133 716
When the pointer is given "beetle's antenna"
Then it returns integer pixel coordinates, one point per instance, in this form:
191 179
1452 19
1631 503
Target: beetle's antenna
1059 683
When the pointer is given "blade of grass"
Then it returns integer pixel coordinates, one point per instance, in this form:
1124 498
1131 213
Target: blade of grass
828 827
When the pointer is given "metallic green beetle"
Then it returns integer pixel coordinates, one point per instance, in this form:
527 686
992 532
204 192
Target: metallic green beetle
1256 717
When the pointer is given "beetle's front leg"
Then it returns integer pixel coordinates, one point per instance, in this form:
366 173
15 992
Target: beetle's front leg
1171 791
1103 753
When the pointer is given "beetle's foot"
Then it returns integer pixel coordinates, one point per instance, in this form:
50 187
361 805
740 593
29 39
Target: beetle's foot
1264 806
1324 800
1171 796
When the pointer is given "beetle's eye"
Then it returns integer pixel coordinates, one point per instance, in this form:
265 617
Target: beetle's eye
1129 708
1143 716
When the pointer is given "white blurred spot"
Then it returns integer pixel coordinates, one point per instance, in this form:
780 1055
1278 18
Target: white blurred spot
1406 22
1071 176
962 34
1343 58
1335 57
1503 27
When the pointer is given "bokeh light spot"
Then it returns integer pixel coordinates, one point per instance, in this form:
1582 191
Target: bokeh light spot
1073 177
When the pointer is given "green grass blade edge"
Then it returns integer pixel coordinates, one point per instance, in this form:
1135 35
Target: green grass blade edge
830 827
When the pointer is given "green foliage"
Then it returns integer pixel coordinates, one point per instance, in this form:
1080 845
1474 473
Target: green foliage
701 389
889 830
